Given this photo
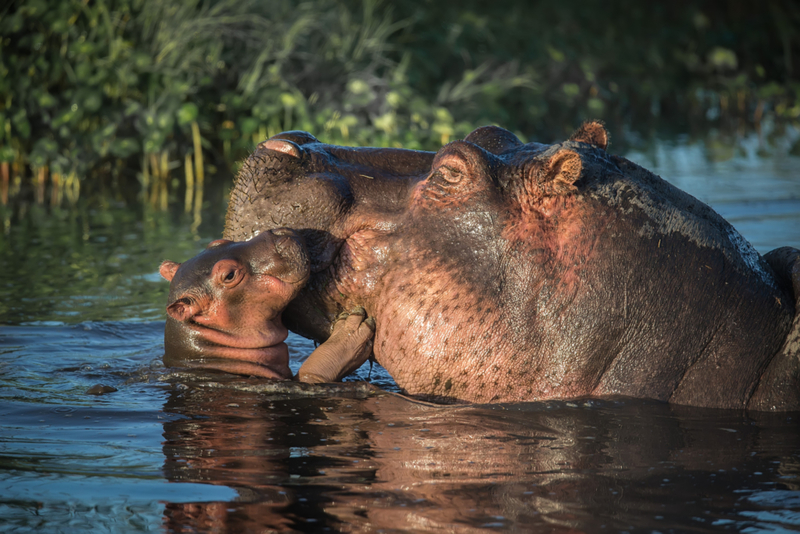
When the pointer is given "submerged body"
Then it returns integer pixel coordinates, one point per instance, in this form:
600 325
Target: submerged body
502 271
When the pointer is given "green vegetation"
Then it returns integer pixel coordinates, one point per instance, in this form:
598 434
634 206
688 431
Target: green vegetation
115 96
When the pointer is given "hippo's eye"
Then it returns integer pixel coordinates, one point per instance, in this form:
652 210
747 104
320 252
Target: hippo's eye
228 273
451 175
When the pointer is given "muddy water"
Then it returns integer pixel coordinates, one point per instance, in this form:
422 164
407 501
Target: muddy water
80 305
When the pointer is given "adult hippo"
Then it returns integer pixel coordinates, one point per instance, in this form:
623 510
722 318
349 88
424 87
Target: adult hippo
503 271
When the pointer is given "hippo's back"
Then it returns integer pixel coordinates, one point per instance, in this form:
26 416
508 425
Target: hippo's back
705 312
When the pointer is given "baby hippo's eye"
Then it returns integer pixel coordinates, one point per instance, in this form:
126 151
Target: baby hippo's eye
228 273
230 277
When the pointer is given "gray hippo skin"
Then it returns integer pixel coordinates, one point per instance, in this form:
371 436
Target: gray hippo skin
499 271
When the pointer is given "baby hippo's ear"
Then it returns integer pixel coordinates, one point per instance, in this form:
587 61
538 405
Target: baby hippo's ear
168 269
560 173
593 133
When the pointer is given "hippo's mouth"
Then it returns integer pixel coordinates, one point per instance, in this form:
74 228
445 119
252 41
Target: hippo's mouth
273 334
265 354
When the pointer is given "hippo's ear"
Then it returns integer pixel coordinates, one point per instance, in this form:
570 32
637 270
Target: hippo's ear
168 269
560 173
593 133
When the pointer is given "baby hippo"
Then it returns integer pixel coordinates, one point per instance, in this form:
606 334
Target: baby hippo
225 307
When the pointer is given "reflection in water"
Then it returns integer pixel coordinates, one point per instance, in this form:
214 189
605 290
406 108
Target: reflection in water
384 463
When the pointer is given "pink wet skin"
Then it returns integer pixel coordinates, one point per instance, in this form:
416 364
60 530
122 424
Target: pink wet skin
225 307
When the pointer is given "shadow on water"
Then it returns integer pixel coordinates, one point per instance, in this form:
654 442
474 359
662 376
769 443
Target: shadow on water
159 450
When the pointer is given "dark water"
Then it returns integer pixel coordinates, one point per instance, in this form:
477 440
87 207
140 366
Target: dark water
81 305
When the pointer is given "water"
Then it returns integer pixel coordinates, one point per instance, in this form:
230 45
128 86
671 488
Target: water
82 306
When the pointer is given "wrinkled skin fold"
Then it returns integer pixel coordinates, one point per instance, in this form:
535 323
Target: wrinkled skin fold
503 271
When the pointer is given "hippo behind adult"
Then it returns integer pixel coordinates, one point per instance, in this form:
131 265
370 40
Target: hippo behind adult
504 271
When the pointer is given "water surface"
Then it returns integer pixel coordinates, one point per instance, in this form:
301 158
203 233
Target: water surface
81 305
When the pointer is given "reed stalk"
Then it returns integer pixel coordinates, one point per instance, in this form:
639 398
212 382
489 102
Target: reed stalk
56 191
72 188
4 185
145 176
41 177
187 165
163 196
16 182
156 172
199 175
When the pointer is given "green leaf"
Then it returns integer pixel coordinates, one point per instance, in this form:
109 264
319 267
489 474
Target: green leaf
46 100
83 71
154 141
124 148
248 126
6 153
63 118
165 121
92 101
21 124
187 113
722 58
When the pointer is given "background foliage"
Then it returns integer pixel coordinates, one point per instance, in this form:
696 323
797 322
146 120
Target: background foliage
117 94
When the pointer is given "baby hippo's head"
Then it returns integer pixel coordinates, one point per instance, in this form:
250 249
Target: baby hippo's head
225 304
